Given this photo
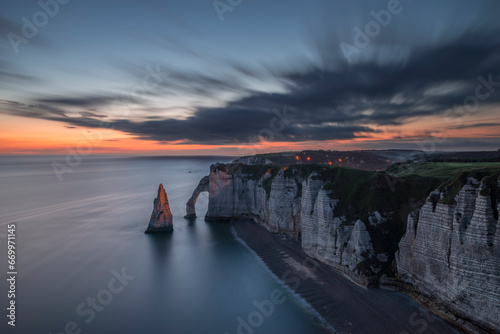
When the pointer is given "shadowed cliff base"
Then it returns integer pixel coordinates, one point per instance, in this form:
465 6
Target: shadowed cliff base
346 306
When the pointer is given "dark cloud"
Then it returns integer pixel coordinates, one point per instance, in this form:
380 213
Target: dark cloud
90 114
86 101
48 108
429 146
475 125
346 93
33 111
224 126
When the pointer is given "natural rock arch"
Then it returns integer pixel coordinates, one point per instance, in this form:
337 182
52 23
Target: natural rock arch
190 205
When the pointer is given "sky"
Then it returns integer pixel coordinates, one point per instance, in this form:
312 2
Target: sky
237 77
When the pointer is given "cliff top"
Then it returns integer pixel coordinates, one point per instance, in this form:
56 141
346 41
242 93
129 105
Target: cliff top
454 175
442 169
365 159
401 180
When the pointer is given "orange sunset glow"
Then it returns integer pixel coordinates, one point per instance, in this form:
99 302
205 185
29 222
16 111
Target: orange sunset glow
20 135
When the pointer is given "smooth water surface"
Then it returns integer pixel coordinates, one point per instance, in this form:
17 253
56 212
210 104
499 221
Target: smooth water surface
75 237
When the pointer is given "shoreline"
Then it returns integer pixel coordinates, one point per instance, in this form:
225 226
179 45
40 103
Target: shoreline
313 313
344 305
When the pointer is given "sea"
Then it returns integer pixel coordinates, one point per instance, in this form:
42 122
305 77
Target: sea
82 263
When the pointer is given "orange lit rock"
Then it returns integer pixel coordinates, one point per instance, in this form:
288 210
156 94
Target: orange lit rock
161 218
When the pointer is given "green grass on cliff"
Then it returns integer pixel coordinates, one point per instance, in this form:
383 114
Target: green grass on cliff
441 169
454 175
402 188
407 181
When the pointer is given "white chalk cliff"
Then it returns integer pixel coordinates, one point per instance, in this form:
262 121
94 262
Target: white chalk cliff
288 203
448 258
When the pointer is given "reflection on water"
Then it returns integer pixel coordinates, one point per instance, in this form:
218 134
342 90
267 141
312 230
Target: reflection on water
75 235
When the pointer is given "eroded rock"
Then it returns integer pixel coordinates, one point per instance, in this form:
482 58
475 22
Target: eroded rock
161 219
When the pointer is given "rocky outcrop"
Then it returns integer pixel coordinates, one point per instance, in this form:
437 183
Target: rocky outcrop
190 206
449 257
161 218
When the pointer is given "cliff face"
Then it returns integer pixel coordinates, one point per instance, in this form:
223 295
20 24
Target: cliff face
435 238
313 206
235 195
334 240
270 198
161 218
450 254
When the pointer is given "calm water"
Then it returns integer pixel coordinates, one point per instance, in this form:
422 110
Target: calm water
75 237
